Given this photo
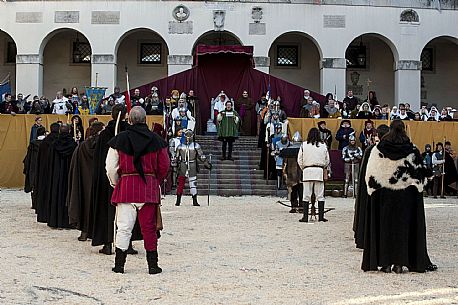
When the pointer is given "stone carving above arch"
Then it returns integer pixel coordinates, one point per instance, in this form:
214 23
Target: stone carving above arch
409 16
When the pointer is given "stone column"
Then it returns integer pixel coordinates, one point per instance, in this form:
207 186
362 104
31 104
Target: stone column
333 77
262 63
179 63
29 74
407 79
103 71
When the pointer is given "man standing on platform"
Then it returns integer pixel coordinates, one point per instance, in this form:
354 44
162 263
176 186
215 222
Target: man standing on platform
246 110
136 164
228 129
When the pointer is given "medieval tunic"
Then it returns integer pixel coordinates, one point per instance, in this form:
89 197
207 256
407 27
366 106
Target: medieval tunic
245 107
62 154
228 126
395 227
30 168
79 186
136 164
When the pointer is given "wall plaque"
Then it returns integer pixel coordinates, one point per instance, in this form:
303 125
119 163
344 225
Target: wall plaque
67 17
105 17
180 27
29 17
334 21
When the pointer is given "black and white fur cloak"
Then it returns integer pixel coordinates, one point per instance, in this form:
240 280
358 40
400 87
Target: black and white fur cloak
395 227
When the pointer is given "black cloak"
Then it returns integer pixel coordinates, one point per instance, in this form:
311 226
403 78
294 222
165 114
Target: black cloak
101 191
79 186
42 186
395 226
62 155
30 168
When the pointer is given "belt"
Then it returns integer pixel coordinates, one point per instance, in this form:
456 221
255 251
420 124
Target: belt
318 166
137 174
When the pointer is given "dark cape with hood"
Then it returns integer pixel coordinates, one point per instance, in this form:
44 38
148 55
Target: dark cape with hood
395 226
43 183
101 191
62 154
31 168
79 186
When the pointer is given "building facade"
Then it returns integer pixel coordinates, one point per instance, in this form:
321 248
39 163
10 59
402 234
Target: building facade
406 51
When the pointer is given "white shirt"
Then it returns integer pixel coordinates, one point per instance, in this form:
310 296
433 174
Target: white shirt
60 106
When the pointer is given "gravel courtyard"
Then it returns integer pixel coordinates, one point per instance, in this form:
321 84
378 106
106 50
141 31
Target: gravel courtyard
246 250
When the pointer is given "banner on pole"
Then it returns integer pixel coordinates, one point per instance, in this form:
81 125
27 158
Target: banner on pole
95 96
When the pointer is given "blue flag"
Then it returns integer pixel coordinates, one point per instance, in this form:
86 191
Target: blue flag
4 89
95 96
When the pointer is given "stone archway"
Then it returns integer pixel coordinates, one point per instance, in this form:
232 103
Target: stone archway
370 67
295 57
8 52
67 55
217 38
145 54
439 70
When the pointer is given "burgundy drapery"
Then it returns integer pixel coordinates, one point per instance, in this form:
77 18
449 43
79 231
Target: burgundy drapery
229 68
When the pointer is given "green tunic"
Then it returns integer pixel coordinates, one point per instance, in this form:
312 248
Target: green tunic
228 127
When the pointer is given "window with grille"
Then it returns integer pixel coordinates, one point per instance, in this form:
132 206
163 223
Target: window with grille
288 56
11 52
427 59
150 53
83 51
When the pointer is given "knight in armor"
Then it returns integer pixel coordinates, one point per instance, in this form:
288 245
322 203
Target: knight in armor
325 134
352 155
153 104
117 96
187 156
173 145
292 172
273 134
279 142
438 162
366 137
343 133
181 121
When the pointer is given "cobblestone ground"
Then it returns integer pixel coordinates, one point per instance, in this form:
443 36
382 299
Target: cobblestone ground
246 250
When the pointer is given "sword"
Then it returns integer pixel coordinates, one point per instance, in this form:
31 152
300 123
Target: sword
209 176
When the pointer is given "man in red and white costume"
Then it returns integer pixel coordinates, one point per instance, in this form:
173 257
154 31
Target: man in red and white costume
136 164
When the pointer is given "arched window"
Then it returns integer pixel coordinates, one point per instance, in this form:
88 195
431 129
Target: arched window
409 16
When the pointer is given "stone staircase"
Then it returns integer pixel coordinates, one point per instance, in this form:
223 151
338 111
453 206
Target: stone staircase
234 178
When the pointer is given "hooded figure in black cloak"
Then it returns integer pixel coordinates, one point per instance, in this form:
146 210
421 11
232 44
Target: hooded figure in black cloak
63 149
80 183
362 198
101 191
395 226
43 183
30 164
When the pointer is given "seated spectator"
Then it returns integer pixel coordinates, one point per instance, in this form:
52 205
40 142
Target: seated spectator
385 110
45 104
60 104
345 112
307 108
433 114
351 101
22 103
444 116
364 112
417 116
9 105
74 99
377 113
36 107
424 115
136 99
372 100
409 112
394 113
354 112
117 96
315 112
83 109
331 111
402 115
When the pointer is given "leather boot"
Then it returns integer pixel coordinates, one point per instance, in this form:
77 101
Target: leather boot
321 211
106 249
178 200
83 236
305 218
120 261
194 201
151 258
131 249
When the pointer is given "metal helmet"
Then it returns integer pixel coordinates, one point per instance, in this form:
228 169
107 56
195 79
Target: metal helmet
352 137
284 140
297 137
182 110
189 134
276 105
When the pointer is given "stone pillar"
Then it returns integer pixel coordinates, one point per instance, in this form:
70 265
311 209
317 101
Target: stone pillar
262 63
103 71
407 79
179 63
29 74
333 77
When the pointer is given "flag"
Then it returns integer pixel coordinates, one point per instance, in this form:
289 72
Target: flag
4 89
128 102
95 96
